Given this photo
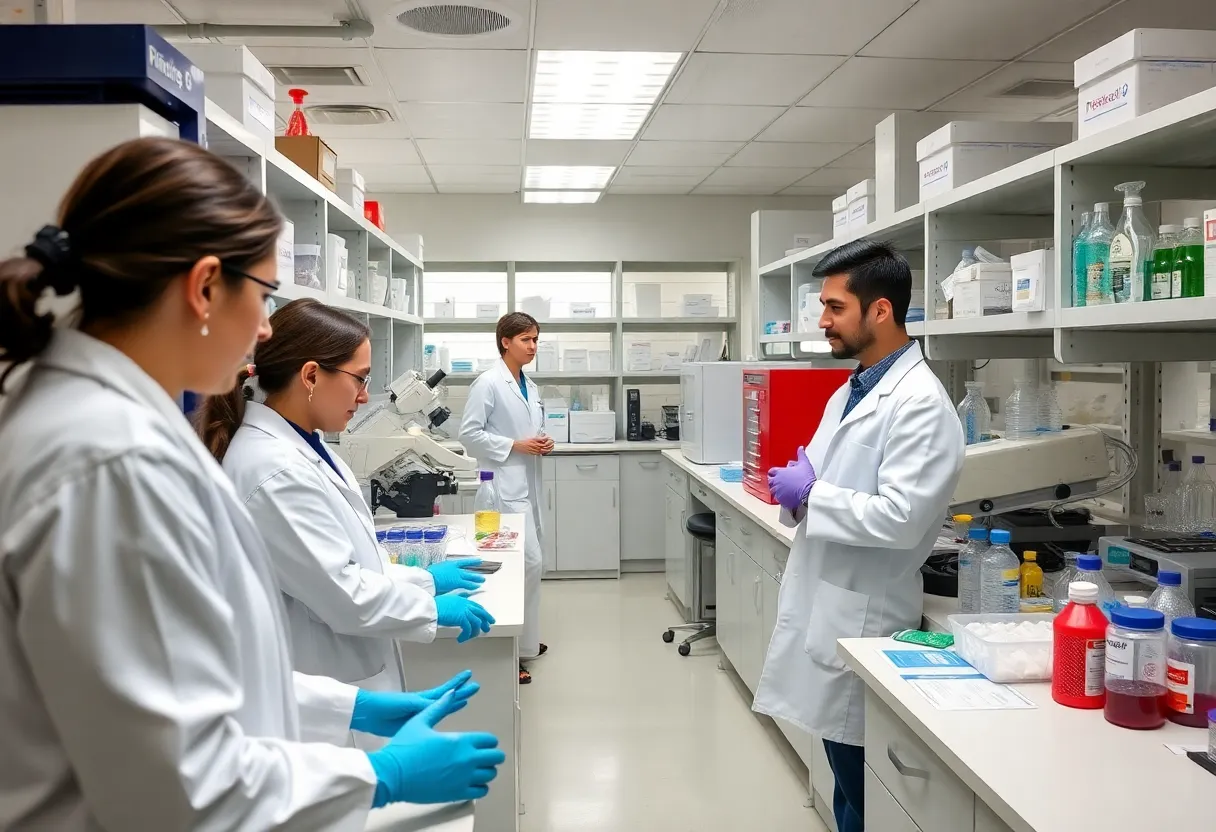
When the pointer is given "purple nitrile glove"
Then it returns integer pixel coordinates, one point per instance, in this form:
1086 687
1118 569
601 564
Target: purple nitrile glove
792 484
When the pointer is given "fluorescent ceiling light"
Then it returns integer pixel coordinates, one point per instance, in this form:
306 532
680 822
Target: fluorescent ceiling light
579 177
563 197
596 95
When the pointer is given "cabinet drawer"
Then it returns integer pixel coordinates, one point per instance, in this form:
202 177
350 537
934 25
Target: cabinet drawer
596 467
883 812
925 787
773 556
702 493
677 480
738 528
548 468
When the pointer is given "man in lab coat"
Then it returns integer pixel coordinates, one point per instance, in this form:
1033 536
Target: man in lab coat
868 495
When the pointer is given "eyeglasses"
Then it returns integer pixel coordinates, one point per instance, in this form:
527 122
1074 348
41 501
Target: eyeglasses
364 381
274 287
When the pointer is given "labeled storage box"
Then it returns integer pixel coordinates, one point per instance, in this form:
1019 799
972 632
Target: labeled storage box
399 298
862 205
896 172
488 311
285 254
599 361
1033 273
557 423
592 426
648 300
966 150
983 289
314 156
575 360
582 310
335 263
1137 73
351 188
238 83
308 267
546 357
840 216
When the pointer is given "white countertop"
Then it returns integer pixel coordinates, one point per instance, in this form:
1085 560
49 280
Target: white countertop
620 445
1052 769
758 511
936 609
411 817
503 592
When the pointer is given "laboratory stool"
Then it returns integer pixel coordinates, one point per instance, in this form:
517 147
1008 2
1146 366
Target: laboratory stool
702 528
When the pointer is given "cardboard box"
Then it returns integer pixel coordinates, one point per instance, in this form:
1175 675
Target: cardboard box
314 157
285 254
963 151
1139 72
983 289
1032 274
351 188
557 423
238 82
896 172
840 216
592 426
1209 253
638 357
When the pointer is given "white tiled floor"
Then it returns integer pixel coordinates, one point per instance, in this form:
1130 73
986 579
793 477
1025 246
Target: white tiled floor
620 734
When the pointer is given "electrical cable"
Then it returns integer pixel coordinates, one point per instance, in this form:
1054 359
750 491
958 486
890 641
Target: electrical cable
1114 482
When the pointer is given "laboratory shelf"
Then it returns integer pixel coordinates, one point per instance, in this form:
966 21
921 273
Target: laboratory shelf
904 229
1019 323
916 329
1181 134
643 376
1180 315
460 324
677 324
783 338
1025 188
549 377
578 325
1189 437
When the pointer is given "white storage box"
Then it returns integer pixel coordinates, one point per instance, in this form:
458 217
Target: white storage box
808 240
536 306
862 205
600 360
285 254
896 172
238 83
488 311
380 287
351 188
1137 73
582 311
546 357
308 267
966 150
916 303
445 308
637 357
701 311
840 216
1209 253
335 263
592 426
364 280
557 423
648 300
399 298
1032 274
1018 651
983 289
698 299
575 361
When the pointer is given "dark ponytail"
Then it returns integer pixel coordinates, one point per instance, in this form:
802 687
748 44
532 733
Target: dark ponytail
302 331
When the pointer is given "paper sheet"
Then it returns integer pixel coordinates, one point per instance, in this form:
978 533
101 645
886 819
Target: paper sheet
966 692
927 659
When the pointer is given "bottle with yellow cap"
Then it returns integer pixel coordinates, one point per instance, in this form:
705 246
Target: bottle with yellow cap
1032 576
962 522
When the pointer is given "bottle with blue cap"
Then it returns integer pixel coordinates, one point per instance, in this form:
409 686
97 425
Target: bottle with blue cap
969 569
1169 599
1000 574
1135 668
1089 568
1191 671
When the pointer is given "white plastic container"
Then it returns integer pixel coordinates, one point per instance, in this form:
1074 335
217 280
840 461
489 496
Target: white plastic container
1032 273
488 311
308 267
599 360
546 357
582 311
239 83
285 254
648 300
536 306
575 360
862 205
638 357
963 151
840 216
351 188
445 308
380 287
1139 72
592 426
983 289
399 298
335 262
1014 656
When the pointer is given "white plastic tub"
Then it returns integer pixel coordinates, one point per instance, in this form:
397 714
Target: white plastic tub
308 266
1005 658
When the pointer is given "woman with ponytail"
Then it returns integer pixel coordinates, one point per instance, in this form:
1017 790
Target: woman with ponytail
346 602
145 671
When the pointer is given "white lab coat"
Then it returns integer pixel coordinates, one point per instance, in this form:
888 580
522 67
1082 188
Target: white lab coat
495 416
345 600
145 675
885 477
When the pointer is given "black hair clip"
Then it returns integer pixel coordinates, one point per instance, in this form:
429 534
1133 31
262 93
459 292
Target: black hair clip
52 248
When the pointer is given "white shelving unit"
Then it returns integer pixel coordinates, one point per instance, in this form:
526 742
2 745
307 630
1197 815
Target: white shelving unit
316 211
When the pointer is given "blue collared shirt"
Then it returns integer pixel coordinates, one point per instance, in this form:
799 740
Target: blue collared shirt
523 385
863 381
317 444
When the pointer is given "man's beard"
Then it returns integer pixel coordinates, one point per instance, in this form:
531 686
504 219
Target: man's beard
850 349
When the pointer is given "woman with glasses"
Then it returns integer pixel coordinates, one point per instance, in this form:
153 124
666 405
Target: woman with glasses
346 602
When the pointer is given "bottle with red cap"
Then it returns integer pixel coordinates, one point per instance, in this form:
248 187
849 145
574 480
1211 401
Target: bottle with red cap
1078 677
297 125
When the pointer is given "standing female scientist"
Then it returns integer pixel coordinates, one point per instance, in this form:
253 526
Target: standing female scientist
502 429
145 676
345 601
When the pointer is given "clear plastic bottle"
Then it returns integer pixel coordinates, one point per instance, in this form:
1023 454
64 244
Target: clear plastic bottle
975 415
412 552
1169 599
1131 246
1135 669
1051 418
487 507
395 542
1080 278
1097 257
962 525
1000 573
1197 498
1059 589
1031 582
1022 411
435 544
1089 568
1188 260
1171 489
969 560
1162 282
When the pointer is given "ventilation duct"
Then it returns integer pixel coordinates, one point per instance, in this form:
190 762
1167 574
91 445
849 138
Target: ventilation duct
318 76
347 114
344 30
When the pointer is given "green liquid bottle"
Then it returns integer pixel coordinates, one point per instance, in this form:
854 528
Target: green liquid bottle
1164 258
1189 258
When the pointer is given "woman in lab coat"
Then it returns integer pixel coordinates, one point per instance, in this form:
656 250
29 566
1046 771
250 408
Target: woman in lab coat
145 676
503 428
346 602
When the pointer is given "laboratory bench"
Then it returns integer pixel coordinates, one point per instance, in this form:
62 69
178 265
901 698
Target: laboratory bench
413 817
1044 769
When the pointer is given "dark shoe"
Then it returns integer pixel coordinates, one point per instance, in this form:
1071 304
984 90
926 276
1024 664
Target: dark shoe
525 678
544 648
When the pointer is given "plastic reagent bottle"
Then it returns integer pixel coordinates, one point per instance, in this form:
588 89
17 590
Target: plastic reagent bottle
1097 257
1130 247
1031 581
1059 589
487 508
1169 599
1051 418
1162 281
1022 411
1000 574
975 415
1188 260
1197 498
1172 489
1078 661
1089 570
969 560
1080 279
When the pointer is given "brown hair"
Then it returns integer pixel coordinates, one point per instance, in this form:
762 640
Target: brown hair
303 330
512 324
137 217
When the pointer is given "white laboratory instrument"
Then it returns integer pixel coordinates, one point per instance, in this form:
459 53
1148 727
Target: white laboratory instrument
1194 558
711 411
391 448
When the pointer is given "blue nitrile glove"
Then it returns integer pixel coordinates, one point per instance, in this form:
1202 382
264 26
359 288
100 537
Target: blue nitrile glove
422 765
458 611
384 712
791 485
449 575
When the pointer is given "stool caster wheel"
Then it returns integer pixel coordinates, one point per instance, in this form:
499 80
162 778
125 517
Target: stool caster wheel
684 649
669 636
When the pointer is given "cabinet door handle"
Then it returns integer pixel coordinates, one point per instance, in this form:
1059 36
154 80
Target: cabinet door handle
756 593
745 530
590 467
780 574
906 771
550 499
648 464
614 496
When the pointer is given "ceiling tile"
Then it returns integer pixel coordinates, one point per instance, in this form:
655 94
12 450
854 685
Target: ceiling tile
985 95
1123 17
811 190
629 25
682 153
483 188
674 188
150 12
860 159
465 121
788 154
360 59
952 29
288 13
839 178
711 123
735 190
661 175
824 124
574 152
719 78
406 188
361 152
894 82
379 176
760 177
800 27
391 33
470 151
475 174
442 75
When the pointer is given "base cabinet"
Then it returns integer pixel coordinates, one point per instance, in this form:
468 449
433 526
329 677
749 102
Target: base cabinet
585 531
642 497
548 513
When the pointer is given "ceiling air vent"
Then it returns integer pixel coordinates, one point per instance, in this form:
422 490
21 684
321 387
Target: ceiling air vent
453 19
1039 88
318 76
347 114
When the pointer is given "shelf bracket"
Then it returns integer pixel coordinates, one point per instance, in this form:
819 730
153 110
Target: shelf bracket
969 347
1097 346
